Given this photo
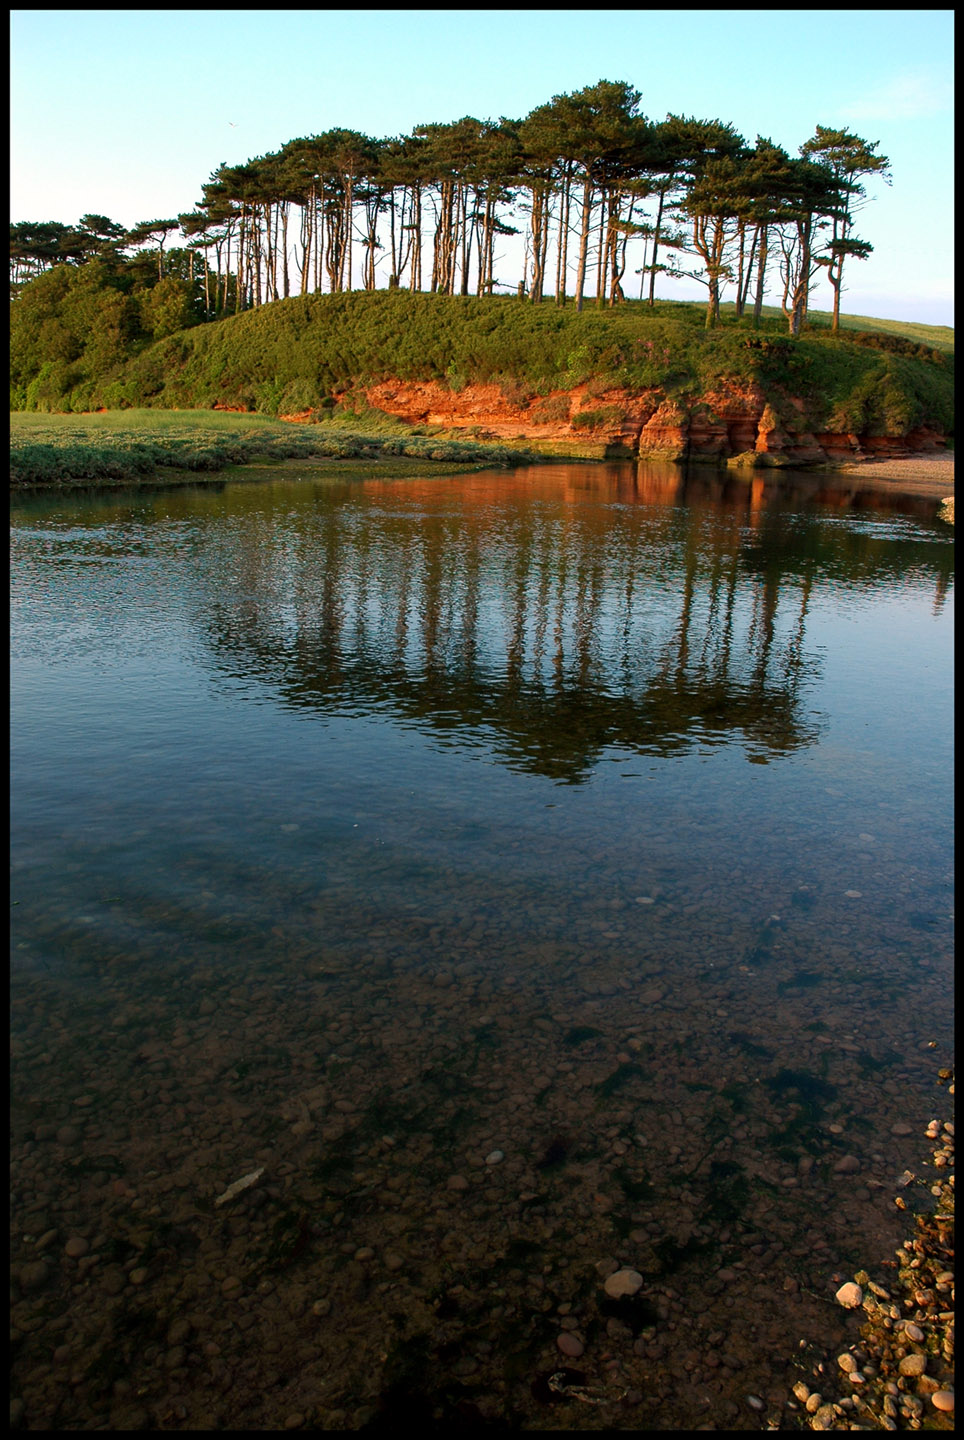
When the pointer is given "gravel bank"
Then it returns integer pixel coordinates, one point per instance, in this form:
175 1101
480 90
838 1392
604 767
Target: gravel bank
899 1375
927 475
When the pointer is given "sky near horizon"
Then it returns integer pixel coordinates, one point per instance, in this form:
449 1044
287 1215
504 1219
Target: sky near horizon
126 113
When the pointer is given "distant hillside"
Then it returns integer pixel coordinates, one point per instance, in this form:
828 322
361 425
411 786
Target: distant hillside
940 337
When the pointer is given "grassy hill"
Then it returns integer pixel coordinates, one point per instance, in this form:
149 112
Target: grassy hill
316 353
300 354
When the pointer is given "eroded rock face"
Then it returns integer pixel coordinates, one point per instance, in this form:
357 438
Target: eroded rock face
728 421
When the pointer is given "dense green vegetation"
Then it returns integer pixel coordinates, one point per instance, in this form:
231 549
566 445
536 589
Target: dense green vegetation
121 447
315 353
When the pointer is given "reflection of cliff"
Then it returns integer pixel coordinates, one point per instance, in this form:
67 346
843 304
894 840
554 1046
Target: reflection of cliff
538 626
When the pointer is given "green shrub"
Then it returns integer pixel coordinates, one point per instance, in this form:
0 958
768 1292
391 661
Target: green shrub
550 410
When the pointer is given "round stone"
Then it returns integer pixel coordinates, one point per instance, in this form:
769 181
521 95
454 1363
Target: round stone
623 1282
943 1399
34 1274
913 1332
847 1363
570 1344
76 1246
849 1295
114 1280
494 1157
913 1365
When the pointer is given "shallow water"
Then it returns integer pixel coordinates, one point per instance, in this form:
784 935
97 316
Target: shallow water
597 817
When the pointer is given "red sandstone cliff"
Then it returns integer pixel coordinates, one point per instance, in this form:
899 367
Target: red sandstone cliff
729 423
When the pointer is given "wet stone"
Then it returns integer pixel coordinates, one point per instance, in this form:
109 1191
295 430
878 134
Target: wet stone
623 1282
34 1275
114 1280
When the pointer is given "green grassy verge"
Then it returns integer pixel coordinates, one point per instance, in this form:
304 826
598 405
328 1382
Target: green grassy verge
122 447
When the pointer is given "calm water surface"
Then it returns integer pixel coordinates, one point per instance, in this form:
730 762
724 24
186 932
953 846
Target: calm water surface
533 873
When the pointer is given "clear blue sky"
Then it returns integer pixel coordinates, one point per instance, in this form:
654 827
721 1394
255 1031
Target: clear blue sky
126 113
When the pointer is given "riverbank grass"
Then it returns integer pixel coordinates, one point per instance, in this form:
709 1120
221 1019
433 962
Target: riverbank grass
130 446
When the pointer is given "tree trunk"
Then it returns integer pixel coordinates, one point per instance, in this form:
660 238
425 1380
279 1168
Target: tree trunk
837 282
652 272
740 293
619 258
349 207
760 276
286 282
563 252
539 224
584 241
417 238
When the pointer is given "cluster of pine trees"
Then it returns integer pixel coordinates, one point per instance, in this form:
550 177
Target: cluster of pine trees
582 179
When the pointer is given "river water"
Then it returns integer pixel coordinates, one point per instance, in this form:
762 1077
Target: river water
533 874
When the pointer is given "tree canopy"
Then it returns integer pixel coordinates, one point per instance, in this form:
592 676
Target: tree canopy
586 179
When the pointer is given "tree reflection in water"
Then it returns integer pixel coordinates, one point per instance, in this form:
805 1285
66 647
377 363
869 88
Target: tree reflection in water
547 614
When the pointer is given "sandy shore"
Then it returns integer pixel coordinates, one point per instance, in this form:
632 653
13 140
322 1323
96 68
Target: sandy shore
929 475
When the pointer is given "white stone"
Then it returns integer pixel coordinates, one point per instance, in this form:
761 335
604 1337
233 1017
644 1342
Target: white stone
239 1186
849 1295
